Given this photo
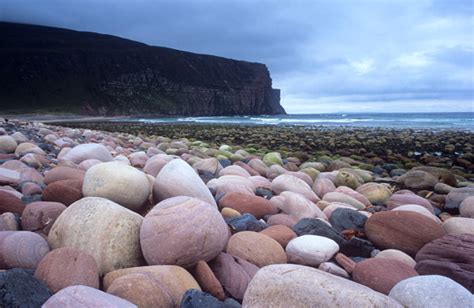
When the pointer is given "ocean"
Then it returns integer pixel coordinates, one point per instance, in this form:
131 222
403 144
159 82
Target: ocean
452 120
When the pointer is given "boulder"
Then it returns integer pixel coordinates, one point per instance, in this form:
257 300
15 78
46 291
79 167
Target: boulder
402 230
7 144
397 255
311 250
288 285
451 256
417 180
232 183
22 249
117 182
63 173
286 182
85 297
381 274
459 225
245 203
65 191
19 288
40 216
257 248
297 206
345 219
457 196
141 289
64 267
10 203
175 280
280 233
233 273
466 208
102 228
86 151
432 291
197 230
177 178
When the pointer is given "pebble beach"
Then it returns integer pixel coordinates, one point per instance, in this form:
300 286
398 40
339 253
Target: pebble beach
118 214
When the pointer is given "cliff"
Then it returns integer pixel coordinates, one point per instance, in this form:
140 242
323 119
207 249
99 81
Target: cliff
46 69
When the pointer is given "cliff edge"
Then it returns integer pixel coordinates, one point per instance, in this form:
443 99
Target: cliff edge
45 69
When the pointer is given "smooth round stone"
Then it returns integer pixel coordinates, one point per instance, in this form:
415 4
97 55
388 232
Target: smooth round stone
229 213
85 297
311 250
19 288
40 216
402 230
141 289
354 194
138 159
85 151
195 298
211 165
63 173
332 268
418 180
273 158
19 137
459 225
66 192
64 267
7 144
182 231
175 280
31 175
232 183
466 208
88 163
9 222
432 291
177 178
207 280
289 285
343 198
233 273
280 233
323 186
349 179
31 188
286 182
397 255
117 182
259 166
451 256
102 228
9 177
418 209
274 171
282 219
297 206
345 219
457 196
234 170
333 206
27 147
22 249
10 203
375 192
256 248
381 274
154 165
397 200
245 203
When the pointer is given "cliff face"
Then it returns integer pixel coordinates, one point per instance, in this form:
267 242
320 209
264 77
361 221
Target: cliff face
58 70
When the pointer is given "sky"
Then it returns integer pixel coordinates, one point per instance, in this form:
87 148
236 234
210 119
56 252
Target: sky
325 55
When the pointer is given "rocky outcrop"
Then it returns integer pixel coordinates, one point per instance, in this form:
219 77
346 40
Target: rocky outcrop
59 70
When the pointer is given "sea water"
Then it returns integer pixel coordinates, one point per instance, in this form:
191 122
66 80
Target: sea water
453 120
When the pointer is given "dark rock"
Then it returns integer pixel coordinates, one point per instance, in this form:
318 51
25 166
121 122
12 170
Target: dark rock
225 162
206 176
19 288
246 222
264 192
357 247
315 226
30 199
451 256
456 196
193 298
346 219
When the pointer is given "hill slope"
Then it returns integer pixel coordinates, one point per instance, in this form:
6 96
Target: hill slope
57 70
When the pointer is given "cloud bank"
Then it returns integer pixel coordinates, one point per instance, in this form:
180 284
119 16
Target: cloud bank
325 55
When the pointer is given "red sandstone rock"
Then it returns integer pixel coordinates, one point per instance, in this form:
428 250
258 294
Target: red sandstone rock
64 191
245 203
280 233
